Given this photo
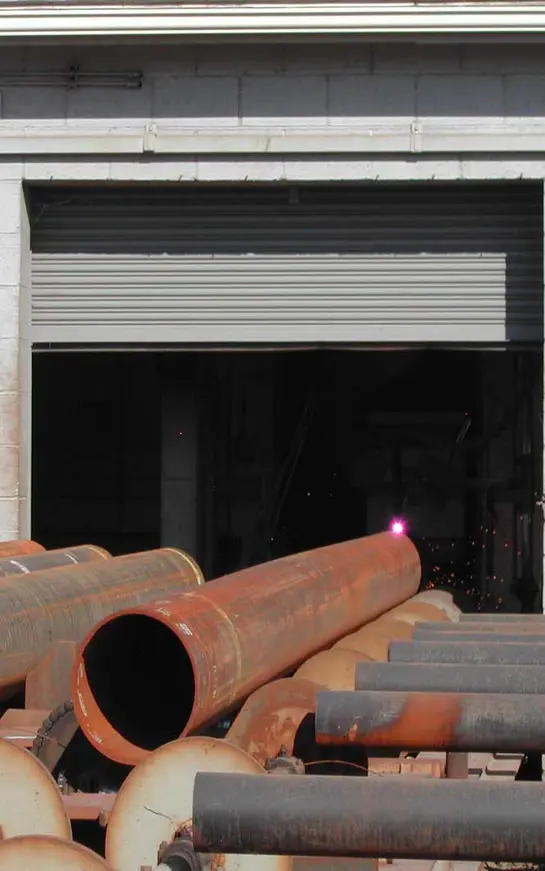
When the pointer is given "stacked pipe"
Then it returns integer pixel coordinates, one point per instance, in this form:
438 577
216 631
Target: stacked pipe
270 720
53 596
215 647
204 652
459 705
230 646
17 547
48 597
34 561
220 643
420 700
368 817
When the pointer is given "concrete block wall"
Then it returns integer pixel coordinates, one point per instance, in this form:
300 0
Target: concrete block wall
282 86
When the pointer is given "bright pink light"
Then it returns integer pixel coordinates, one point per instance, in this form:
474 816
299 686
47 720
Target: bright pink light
397 527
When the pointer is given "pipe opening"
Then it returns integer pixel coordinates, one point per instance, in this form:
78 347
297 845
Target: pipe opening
142 679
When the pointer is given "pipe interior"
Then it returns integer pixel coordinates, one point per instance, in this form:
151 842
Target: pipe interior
142 679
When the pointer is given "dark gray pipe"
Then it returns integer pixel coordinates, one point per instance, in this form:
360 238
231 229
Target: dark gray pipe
460 678
446 629
502 618
479 653
368 817
489 637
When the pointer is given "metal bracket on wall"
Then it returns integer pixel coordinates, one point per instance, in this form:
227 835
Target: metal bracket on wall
150 138
415 137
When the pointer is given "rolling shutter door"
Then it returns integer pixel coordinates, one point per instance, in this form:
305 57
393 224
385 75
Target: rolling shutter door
388 263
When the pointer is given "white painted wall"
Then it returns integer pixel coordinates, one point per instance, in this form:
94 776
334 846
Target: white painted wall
15 369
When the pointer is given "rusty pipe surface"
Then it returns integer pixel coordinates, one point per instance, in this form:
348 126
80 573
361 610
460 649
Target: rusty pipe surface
279 714
274 716
366 817
19 546
209 649
22 564
477 652
487 722
460 678
278 720
271 716
63 604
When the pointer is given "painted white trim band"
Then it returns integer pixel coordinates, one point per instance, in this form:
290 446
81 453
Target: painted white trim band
47 20
161 138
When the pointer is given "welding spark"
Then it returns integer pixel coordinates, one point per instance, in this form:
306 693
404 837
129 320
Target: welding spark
397 526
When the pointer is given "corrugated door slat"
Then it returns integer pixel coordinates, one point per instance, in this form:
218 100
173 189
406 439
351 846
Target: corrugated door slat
400 263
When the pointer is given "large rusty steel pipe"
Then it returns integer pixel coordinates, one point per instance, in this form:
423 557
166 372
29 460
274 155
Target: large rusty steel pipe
209 649
496 617
487 722
461 678
63 604
369 816
19 546
22 564
477 652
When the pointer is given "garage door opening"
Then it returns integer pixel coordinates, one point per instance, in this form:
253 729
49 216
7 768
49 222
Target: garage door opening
241 457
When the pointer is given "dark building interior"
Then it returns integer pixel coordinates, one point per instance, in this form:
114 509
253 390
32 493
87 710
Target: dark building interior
244 456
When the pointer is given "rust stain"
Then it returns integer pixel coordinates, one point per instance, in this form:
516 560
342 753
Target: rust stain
352 734
270 717
426 720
